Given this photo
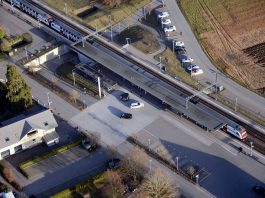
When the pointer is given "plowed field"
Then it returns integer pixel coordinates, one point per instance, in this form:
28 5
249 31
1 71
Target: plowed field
233 33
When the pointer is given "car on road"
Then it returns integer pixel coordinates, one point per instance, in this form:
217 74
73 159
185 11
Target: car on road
165 21
114 163
124 97
126 116
136 105
171 28
86 144
259 190
192 67
187 60
179 43
163 15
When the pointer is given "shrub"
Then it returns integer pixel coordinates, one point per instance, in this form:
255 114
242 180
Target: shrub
3 187
27 37
8 174
2 33
5 46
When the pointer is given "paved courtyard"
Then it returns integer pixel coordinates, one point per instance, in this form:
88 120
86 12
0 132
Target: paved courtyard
104 117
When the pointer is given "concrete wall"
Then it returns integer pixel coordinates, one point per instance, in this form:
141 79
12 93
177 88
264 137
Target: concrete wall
54 53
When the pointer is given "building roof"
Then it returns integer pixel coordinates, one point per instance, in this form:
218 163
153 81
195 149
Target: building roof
14 132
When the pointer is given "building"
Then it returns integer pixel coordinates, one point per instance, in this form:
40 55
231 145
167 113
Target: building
25 131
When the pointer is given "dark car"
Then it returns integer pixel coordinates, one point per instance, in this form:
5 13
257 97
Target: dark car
126 116
260 190
114 163
180 50
124 97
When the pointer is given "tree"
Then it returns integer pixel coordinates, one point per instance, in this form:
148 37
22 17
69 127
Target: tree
5 46
112 151
160 185
114 181
18 94
191 170
2 33
27 37
135 164
75 95
54 81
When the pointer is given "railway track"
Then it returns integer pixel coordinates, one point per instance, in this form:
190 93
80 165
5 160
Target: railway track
254 135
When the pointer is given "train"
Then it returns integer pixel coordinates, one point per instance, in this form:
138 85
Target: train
238 131
45 19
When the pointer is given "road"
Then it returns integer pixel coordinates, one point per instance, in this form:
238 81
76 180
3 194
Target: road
245 97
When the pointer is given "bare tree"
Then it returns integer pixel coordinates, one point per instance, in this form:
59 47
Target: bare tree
32 68
54 81
75 95
135 164
160 185
114 182
112 151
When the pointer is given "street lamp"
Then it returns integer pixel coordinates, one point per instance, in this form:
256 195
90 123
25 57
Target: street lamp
197 179
73 76
48 99
160 61
26 52
173 46
149 142
110 22
128 41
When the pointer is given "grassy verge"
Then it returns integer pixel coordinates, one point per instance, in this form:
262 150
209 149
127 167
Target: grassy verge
174 68
100 17
65 71
140 38
92 187
44 156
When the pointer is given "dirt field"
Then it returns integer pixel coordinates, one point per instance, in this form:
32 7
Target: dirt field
233 34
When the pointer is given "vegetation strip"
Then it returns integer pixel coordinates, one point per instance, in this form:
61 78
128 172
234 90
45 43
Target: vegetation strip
44 156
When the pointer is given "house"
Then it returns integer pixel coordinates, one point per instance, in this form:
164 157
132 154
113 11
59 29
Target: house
25 131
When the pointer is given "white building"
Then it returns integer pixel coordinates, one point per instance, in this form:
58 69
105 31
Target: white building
22 132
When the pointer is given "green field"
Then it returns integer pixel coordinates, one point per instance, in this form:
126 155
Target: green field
99 18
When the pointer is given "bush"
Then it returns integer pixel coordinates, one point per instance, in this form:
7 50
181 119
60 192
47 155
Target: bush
8 174
5 46
2 33
27 37
3 187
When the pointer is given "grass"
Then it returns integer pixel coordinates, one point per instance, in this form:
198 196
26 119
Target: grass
174 68
93 187
99 18
65 71
44 156
140 38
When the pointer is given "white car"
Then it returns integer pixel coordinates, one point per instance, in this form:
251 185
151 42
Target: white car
136 105
179 43
196 72
165 21
187 60
193 67
170 29
163 15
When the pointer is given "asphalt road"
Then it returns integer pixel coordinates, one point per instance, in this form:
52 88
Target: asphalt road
245 97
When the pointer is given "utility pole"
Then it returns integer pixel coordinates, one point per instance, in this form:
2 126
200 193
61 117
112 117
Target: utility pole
65 7
26 53
197 179
160 62
173 47
110 22
99 88
48 100
251 148
128 40
236 105
177 158
73 73
149 142
144 12
150 165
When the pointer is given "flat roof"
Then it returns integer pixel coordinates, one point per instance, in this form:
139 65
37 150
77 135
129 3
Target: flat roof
151 84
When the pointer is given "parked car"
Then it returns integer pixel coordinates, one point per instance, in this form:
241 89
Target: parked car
165 21
179 43
124 97
180 50
260 190
126 116
86 144
114 163
192 67
136 105
170 29
163 15
196 72
187 60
